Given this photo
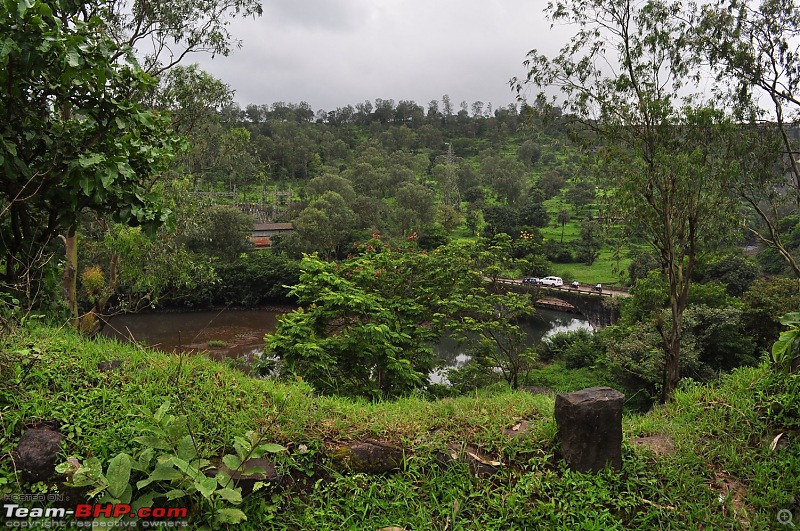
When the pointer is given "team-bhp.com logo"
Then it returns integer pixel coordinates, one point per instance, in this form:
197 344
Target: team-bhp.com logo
84 514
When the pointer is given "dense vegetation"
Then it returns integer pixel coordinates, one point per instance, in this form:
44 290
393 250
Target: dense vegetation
130 181
722 473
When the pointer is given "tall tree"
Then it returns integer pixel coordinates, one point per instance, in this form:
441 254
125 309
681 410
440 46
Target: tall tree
626 75
74 136
754 50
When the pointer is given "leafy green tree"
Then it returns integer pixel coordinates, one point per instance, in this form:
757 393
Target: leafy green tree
563 218
74 136
764 304
223 233
591 240
329 182
500 218
753 50
366 325
581 194
415 207
551 183
668 162
323 225
529 152
490 327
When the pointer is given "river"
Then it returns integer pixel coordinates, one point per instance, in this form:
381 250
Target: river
239 334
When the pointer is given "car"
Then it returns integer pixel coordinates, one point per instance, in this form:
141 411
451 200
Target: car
551 281
531 280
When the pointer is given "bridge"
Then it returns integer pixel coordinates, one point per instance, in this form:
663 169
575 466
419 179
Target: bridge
599 308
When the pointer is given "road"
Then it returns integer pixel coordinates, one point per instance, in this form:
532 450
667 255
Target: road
608 292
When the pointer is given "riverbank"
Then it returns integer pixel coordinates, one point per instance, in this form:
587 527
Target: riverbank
706 460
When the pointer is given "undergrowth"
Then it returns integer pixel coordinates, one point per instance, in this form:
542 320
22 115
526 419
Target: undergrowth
735 461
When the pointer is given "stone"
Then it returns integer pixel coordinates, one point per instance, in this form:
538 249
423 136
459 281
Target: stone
590 428
370 457
251 472
37 452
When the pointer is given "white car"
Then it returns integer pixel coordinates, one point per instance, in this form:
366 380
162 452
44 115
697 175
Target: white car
551 281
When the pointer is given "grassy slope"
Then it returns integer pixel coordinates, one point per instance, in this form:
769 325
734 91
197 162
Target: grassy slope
722 445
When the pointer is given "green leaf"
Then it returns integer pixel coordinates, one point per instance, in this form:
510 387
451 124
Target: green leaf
86 161
231 461
174 494
206 486
272 448
118 475
159 414
186 449
162 472
73 58
152 442
229 516
231 495
145 500
22 7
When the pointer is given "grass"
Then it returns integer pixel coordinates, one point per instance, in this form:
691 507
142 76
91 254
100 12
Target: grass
217 343
722 475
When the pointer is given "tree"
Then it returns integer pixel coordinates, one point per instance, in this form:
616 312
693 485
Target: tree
753 49
488 318
366 324
74 136
223 233
415 206
581 194
591 240
563 218
666 160
324 224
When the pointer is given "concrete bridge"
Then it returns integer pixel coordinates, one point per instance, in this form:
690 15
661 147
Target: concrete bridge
599 308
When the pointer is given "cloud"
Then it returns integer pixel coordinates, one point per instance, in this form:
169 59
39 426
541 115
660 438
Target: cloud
342 52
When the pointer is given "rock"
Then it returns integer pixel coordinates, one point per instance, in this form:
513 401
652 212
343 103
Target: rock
370 457
250 473
37 453
590 428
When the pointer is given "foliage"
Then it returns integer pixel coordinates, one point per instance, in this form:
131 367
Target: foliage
735 271
257 278
665 162
752 51
764 304
786 350
73 136
171 469
223 233
690 487
365 325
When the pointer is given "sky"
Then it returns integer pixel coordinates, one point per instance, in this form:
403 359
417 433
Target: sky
333 53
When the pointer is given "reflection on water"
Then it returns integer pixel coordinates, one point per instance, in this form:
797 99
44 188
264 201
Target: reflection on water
232 333
240 333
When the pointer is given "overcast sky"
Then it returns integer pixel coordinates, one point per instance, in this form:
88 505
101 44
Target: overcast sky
332 53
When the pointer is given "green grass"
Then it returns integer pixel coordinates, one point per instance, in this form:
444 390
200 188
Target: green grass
217 343
720 432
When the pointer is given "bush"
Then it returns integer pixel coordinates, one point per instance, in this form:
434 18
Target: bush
257 278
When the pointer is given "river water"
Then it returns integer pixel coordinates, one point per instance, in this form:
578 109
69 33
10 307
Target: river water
239 334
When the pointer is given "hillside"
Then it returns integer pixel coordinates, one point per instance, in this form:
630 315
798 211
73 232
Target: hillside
707 460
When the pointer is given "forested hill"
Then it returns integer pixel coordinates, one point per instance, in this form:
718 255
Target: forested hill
395 168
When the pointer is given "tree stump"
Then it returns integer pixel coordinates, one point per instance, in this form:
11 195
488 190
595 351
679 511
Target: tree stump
590 428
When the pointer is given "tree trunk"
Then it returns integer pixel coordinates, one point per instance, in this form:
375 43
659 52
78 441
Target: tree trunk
70 277
672 367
